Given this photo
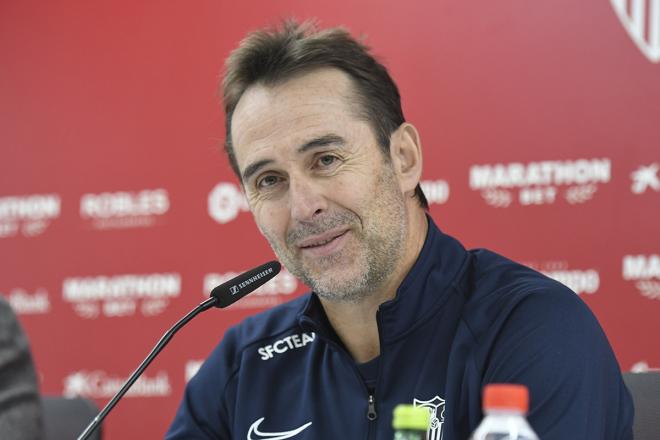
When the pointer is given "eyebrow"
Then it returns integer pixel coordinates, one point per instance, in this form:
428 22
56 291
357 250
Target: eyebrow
322 141
253 168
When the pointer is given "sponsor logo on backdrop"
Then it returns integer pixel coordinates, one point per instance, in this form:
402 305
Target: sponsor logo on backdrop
644 178
225 202
285 344
641 19
123 209
644 270
191 368
25 303
121 295
642 367
436 191
99 384
539 183
274 292
28 215
580 281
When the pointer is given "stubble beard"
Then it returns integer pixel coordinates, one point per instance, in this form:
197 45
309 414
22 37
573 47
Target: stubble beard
363 267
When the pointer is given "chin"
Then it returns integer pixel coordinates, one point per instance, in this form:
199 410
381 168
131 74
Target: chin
337 285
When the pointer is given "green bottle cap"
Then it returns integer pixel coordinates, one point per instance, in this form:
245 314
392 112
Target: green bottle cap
411 417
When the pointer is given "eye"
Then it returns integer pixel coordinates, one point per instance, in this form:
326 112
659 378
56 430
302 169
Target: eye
268 181
327 160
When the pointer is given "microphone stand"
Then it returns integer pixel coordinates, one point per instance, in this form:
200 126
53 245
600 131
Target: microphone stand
211 302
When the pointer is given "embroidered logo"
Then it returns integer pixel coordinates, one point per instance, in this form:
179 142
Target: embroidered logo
255 434
436 407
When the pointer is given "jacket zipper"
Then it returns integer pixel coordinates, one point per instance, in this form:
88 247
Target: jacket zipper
372 415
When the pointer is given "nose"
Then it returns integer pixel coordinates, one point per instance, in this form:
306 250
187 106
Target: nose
306 199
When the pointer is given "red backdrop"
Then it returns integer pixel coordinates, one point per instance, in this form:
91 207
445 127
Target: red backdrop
118 211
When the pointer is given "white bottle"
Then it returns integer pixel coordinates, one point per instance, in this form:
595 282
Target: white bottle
505 406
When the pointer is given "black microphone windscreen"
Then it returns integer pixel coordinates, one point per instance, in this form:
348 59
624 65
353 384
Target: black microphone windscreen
231 291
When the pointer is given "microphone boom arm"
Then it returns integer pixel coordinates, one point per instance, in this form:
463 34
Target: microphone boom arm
211 302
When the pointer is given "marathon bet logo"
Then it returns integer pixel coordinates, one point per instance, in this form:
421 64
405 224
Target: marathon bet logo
275 292
25 303
645 271
225 202
28 215
539 183
99 385
580 281
642 22
119 210
121 295
645 177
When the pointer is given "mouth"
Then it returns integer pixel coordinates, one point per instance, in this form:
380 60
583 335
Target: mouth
323 244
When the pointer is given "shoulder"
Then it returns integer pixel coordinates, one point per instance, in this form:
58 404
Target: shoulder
206 409
267 324
532 330
503 292
226 356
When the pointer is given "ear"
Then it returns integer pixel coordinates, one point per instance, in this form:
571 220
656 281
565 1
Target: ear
406 156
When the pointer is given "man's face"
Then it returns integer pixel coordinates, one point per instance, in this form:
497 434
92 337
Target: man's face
318 185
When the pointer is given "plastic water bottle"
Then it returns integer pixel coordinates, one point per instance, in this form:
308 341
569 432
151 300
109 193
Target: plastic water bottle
505 407
410 422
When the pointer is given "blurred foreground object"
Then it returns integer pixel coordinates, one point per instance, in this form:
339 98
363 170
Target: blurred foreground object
20 406
505 406
645 390
65 418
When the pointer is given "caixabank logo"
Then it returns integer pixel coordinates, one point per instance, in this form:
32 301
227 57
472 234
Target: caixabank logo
642 367
121 295
124 209
275 292
641 19
644 271
28 215
579 280
99 384
540 183
645 178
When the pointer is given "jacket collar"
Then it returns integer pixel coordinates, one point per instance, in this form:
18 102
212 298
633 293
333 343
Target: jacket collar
438 273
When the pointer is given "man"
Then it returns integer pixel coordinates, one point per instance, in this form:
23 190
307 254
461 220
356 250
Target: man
20 404
400 312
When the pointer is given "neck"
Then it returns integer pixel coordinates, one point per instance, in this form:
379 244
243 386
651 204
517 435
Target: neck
355 322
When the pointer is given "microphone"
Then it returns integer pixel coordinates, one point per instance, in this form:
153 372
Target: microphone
231 291
221 296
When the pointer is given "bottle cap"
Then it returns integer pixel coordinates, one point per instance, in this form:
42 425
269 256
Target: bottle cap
411 417
506 396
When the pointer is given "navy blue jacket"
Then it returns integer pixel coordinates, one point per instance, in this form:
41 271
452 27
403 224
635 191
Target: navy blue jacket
460 320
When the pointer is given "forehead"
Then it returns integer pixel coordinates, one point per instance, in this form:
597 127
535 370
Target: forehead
310 104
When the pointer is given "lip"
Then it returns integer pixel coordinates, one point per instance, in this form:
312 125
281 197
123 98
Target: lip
333 238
